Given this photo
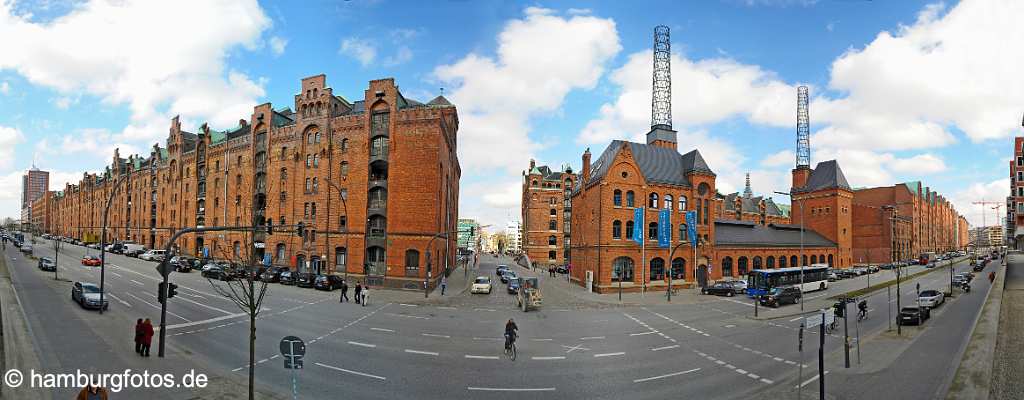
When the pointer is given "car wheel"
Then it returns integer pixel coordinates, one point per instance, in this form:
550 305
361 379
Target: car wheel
821 286
729 294
796 300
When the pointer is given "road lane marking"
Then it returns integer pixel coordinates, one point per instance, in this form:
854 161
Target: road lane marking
542 340
116 274
741 371
485 309
482 357
447 308
406 316
209 306
407 305
642 333
666 375
796 319
352 372
665 347
429 353
436 335
484 389
158 307
487 338
548 358
138 283
206 321
382 330
362 344
619 353
119 300
592 338
808 382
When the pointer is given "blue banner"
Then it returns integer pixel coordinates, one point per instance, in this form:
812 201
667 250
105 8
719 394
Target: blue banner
665 227
691 227
638 225
266 259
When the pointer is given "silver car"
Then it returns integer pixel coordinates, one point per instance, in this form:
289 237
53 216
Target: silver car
930 298
87 295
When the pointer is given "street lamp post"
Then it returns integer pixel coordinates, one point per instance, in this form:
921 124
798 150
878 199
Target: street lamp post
898 268
801 260
56 254
344 207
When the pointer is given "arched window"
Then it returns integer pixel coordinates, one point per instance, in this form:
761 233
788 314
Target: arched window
769 262
804 262
344 145
652 231
309 138
652 200
622 269
236 249
830 260
679 268
782 262
741 266
727 266
316 160
279 253
377 225
814 259
668 202
793 262
757 262
821 258
552 255
630 199
682 202
412 262
617 198
340 258
552 240
309 160
552 225
553 212
316 139
344 168
284 175
683 232
616 229
309 185
657 269
375 255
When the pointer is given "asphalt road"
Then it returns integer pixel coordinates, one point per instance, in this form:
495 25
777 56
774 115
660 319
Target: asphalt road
453 349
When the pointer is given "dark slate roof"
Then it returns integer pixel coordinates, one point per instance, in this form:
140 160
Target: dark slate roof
358 107
748 234
657 164
751 204
827 175
439 101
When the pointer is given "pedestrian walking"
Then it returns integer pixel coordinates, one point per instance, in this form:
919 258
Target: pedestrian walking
991 276
147 337
138 336
91 392
359 292
344 292
444 284
366 294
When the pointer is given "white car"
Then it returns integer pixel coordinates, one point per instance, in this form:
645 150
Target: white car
481 284
152 255
930 298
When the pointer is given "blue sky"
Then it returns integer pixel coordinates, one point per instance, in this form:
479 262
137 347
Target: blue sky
901 90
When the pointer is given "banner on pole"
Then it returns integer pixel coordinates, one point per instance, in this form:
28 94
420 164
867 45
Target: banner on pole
665 227
691 227
638 225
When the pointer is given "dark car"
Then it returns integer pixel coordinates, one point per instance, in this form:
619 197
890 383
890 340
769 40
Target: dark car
272 274
507 275
305 280
47 264
501 270
327 282
562 269
217 272
513 286
781 295
978 267
286 277
183 263
913 315
727 289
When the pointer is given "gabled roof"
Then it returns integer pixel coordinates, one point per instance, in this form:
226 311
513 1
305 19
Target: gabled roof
439 101
749 234
657 164
751 204
826 175
913 187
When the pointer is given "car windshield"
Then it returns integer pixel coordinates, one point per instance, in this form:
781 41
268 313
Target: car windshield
482 280
929 293
87 288
776 291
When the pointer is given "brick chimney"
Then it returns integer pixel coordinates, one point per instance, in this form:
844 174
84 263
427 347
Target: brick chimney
586 165
800 176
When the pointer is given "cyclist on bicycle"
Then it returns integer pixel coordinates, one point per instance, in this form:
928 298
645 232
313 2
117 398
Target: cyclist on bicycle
863 307
510 333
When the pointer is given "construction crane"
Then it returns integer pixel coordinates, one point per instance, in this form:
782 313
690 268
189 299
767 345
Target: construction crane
985 203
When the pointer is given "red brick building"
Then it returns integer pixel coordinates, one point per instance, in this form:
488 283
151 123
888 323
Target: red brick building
924 222
546 212
822 200
747 207
373 180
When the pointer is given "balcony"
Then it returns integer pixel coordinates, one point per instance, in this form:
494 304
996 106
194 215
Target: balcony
379 153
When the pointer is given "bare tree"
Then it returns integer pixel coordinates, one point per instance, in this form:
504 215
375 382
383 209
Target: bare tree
246 289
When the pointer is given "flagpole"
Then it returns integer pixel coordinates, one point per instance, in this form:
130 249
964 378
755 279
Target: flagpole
643 255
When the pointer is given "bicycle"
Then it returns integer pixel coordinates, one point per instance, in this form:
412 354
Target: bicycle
510 347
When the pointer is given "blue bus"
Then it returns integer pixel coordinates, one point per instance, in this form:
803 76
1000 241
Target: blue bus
761 281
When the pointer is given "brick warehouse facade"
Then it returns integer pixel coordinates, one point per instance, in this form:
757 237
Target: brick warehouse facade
925 222
546 213
373 180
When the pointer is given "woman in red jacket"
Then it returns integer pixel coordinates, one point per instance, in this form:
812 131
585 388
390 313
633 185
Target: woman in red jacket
147 337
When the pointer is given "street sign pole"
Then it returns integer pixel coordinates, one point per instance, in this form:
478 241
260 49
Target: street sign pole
800 366
888 304
821 359
846 332
857 326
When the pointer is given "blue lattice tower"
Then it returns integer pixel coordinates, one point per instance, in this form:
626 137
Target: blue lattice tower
803 129
661 99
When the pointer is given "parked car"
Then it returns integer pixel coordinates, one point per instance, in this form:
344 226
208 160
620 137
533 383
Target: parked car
26 248
91 261
913 315
272 274
133 249
722 289
183 263
873 269
513 286
930 298
958 280
739 285
481 284
287 277
978 267
87 295
47 264
562 269
327 282
153 255
501 269
509 274
305 280
832 276
781 295
216 272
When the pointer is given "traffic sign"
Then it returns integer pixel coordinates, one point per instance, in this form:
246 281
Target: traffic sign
164 268
292 346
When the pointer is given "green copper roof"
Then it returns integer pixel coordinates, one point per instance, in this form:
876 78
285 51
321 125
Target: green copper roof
914 186
164 154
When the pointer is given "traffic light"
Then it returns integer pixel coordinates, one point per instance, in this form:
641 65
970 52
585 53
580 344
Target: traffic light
161 292
172 290
472 230
270 226
299 228
840 309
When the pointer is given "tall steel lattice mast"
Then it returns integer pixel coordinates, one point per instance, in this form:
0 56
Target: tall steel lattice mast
803 129
661 99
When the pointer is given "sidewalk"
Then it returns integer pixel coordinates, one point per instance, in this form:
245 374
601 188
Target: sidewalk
974 377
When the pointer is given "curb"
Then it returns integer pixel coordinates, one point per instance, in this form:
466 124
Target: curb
971 381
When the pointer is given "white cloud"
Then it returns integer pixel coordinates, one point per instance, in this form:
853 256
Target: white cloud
784 157
996 190
831 26
9 138
138 54
5 87
277 45
10 189
65 102
360 49
403 34
401 56
498 96
919 164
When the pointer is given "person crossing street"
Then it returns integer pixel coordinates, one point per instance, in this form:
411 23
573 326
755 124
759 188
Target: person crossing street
344 292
